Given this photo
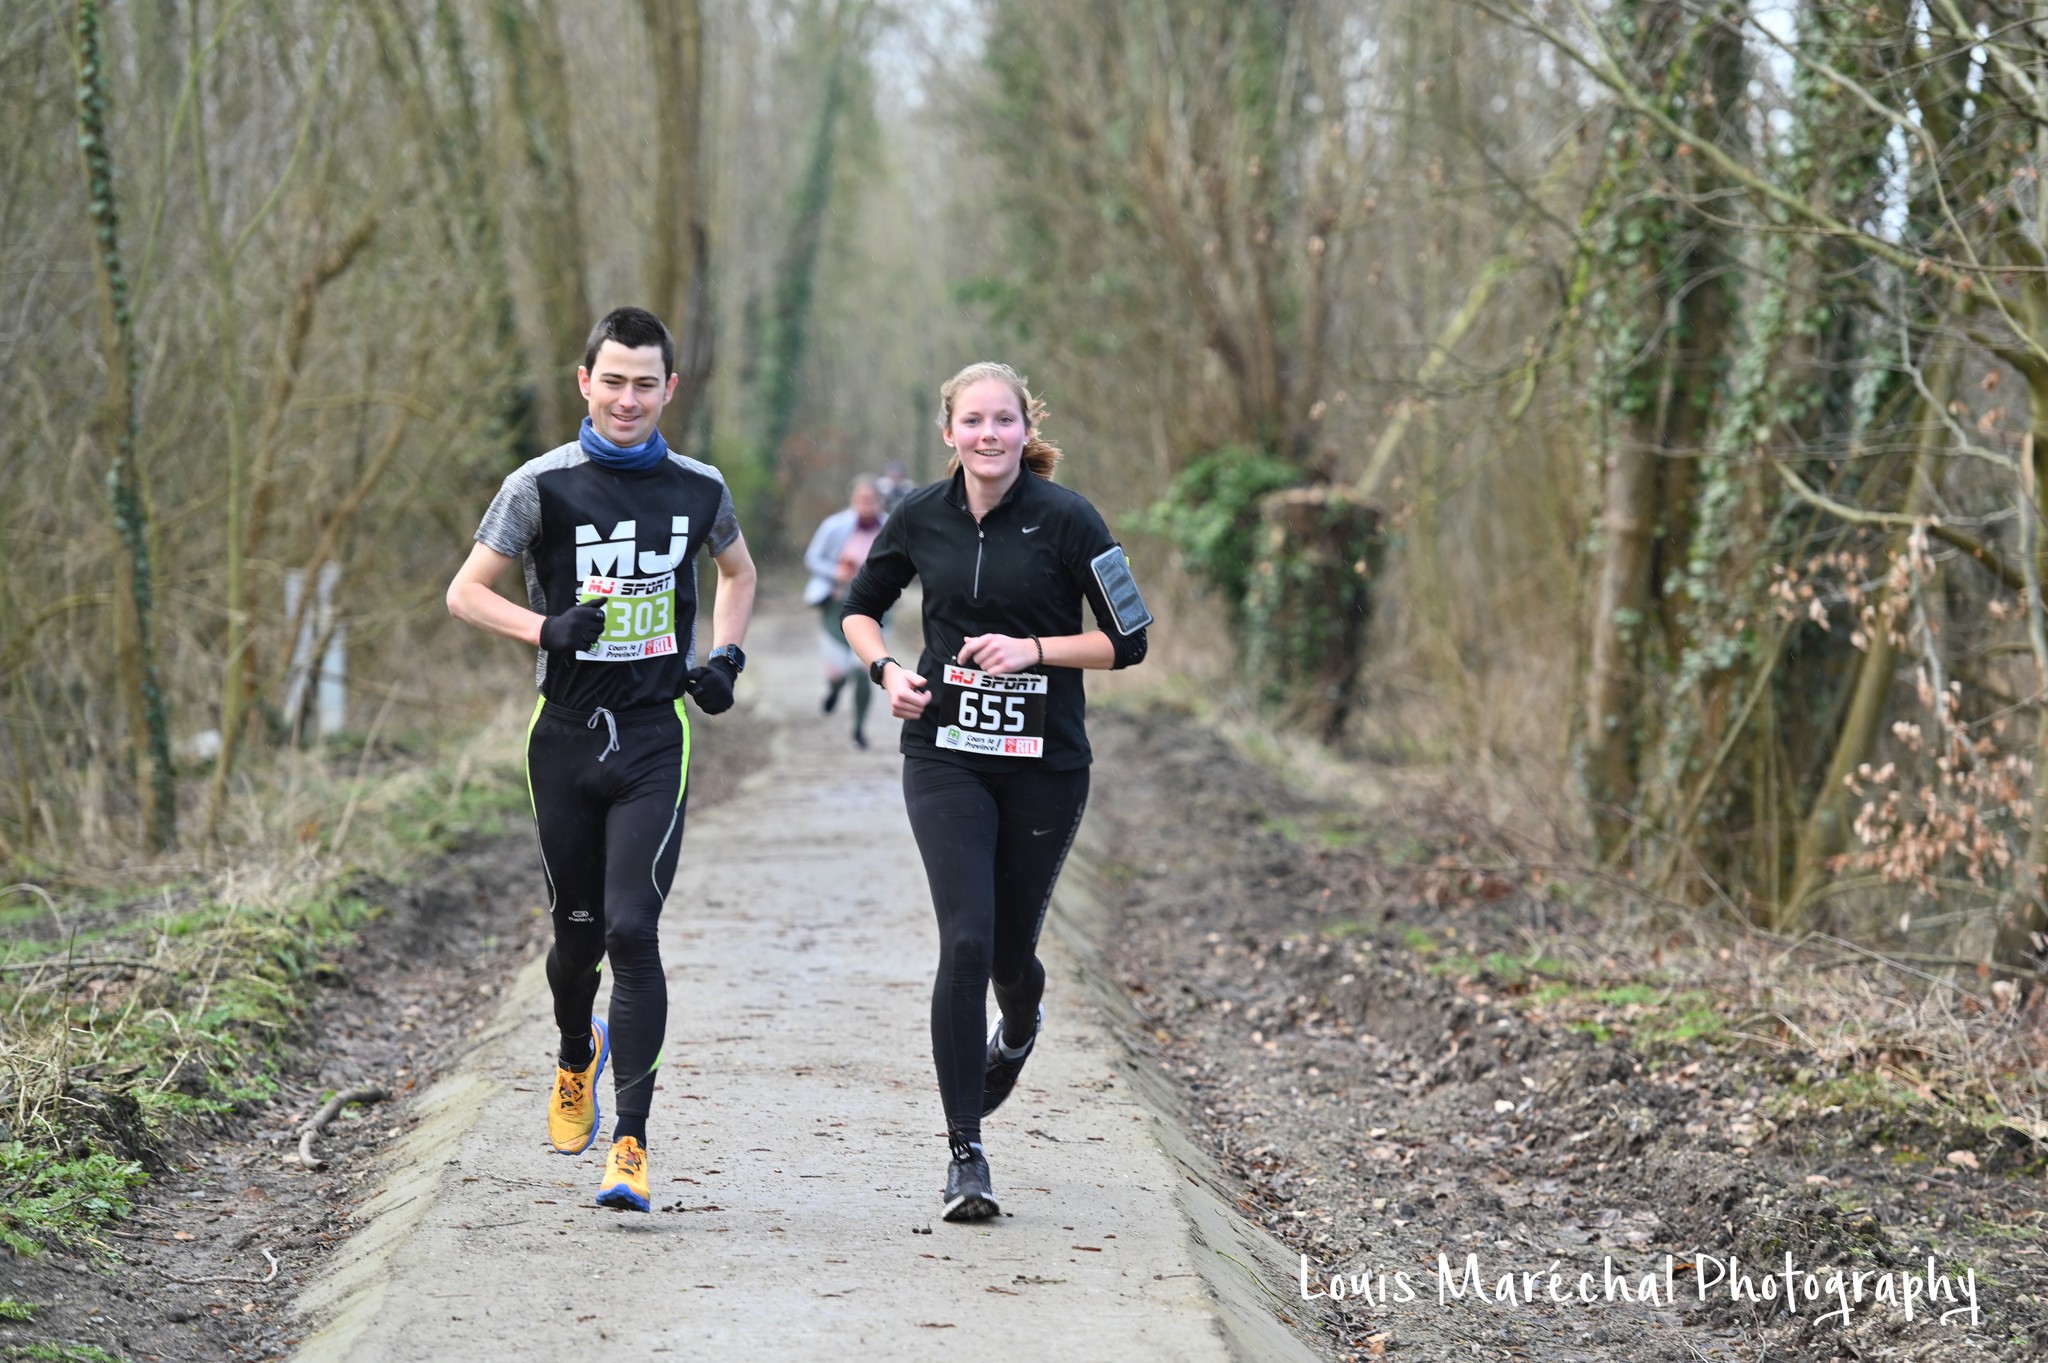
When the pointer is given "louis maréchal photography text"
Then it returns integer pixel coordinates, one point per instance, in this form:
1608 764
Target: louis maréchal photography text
1830 1293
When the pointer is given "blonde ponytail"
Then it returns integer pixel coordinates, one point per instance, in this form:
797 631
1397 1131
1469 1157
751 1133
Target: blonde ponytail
1041 456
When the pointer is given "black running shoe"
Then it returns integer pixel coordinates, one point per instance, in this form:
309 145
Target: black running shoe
968 1195
832 695
1000 1075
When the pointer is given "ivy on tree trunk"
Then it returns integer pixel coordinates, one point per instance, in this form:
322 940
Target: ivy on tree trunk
134 593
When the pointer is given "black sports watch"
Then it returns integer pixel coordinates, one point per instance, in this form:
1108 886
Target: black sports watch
875 669
732 653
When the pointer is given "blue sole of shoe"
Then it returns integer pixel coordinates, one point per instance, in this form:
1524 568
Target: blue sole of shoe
625 1199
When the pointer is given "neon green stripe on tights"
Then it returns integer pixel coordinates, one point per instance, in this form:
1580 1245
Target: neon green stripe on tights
684 718
539 702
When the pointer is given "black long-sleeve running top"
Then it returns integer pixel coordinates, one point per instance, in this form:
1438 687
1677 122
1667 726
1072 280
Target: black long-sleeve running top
1023 569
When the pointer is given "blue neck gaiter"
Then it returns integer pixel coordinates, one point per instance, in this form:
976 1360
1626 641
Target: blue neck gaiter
601 451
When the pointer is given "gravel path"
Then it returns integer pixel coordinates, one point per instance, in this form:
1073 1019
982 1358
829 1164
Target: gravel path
795 1144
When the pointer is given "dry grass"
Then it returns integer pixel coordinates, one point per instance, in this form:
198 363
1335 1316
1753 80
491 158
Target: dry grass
1934 1043
134 1000
1915 1030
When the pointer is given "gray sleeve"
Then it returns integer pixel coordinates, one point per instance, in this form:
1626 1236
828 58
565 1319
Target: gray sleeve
822 556
725 526
512 523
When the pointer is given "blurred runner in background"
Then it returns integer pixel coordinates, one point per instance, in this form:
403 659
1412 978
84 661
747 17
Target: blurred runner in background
894 485
837 550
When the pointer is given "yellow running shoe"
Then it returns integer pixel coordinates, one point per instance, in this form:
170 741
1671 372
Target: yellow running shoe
625 1177
572 1112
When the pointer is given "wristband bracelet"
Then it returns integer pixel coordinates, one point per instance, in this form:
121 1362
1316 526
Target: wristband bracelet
1040 646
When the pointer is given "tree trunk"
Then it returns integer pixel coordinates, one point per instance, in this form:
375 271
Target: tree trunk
134 603
2020 943
1665 336
1788 387
472 188
789 316
532 43
1621 600
1825 831
675 31
1705 276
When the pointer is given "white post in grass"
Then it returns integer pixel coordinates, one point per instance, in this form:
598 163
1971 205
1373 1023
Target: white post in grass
333 694
302 650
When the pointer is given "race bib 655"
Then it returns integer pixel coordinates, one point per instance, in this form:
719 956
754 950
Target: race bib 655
997 715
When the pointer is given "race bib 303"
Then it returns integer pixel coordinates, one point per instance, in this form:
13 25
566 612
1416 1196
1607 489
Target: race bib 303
639 617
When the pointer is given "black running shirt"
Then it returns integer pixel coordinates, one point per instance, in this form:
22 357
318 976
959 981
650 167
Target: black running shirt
583 531
1021 570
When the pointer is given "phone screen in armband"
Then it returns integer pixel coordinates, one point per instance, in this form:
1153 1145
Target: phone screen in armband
1113 574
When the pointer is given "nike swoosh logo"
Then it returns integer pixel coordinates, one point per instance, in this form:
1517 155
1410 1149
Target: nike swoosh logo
1030 529
1041 832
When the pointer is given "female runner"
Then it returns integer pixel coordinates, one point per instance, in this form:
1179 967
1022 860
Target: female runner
995 747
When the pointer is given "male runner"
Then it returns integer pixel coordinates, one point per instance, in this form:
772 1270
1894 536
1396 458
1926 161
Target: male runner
607 528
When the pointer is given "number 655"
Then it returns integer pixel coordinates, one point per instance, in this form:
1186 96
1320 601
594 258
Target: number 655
996 714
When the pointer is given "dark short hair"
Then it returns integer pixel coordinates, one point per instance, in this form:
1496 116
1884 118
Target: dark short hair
632 328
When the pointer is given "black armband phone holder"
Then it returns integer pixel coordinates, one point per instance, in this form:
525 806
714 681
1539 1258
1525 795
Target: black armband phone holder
1112 569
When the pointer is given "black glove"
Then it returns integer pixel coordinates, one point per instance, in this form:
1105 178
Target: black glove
711 685
575 629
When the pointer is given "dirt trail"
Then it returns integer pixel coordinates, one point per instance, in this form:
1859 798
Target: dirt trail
1351 1027
796 1158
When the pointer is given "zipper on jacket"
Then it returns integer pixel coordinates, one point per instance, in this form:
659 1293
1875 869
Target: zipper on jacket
980 542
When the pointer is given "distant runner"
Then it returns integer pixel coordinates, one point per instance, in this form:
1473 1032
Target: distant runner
995 769
607 529
837 549
894 485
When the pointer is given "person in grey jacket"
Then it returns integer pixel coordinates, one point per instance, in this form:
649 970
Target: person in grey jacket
838 548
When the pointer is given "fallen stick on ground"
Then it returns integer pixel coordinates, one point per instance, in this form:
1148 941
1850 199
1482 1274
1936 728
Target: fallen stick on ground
219 1278
93 963
363 1093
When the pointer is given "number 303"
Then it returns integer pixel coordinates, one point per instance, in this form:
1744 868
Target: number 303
997 714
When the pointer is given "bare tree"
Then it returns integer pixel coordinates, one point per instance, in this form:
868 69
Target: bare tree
529 36
840 31
134 584
681 254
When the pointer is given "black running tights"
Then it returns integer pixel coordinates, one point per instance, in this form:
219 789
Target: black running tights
609 830
993 844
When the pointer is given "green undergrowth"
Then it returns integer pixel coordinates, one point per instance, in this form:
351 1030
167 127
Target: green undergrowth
132 1018
60 1201
1333 834
1658 1018
1862 1091
13 1310
1912 1118
61 1353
